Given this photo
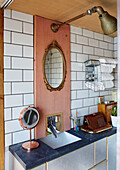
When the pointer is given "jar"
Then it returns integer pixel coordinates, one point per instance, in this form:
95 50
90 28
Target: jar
100 99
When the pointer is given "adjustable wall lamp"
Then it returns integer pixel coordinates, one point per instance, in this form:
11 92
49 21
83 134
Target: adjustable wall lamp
108 22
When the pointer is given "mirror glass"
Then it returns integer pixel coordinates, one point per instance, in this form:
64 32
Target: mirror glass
54 67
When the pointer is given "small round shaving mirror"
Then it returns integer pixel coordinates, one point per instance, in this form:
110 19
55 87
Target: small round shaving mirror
29 118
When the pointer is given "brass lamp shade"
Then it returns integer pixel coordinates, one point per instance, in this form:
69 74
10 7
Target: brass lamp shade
108 23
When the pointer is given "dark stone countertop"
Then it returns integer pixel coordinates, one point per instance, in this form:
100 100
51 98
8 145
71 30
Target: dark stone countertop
44 153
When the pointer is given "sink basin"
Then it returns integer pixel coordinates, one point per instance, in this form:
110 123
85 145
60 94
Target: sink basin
63 139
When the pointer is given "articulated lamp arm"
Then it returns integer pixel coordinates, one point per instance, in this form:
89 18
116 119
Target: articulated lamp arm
108 22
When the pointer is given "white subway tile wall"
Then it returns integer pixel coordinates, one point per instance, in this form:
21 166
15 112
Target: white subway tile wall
18 72
87 45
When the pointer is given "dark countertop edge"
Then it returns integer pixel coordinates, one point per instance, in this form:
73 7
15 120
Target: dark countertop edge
67 148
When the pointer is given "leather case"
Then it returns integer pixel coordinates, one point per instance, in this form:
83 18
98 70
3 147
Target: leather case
95 123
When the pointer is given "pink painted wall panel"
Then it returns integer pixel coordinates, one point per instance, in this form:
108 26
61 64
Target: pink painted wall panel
46 101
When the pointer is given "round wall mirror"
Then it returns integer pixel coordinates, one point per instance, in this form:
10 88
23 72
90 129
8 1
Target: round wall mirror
54 67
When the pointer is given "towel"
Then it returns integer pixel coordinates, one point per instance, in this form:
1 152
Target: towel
108 60
106 68
96 86
106 76
108 84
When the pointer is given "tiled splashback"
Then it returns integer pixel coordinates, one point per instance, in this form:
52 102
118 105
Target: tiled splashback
18 70
86 45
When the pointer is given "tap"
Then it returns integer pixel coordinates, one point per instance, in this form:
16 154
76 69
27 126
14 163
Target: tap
52 129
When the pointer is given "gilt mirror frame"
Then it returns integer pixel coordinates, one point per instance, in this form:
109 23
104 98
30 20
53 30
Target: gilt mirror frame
55 45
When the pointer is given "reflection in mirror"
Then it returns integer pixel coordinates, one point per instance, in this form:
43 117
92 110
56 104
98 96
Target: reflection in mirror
54 67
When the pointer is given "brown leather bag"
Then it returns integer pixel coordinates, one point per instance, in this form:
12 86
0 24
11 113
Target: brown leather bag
94 122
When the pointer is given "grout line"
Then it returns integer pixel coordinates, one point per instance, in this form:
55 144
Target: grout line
28 22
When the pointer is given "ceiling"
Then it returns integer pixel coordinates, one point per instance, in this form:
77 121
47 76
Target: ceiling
62 10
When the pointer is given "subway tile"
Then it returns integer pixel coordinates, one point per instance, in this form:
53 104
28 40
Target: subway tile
22 63
27 75
28 99
82 58
13 100
76 66
93 42
73 76
103 45
8 139
82 111
83 67
93 57
22 16
108 98
73 56
76 30
76 85
115 53
12 50
7 114
80 75
89 102
115 39
108 39
20 136
87 50
12 25
108 53
95 100
82 40
12 75
27 51
115 47
76 104
16 111
7 36
93 93
12 126
98 52
103 93
98 36
7 88
87 33
73 95
110 46
93 109
27 28
7 13
76 48
7 63
82 94
72 37
22 87
22 39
